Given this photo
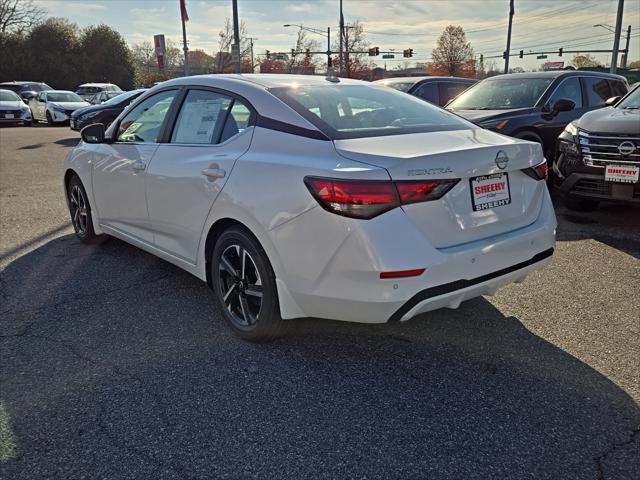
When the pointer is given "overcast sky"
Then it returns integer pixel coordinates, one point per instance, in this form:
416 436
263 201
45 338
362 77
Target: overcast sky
538 24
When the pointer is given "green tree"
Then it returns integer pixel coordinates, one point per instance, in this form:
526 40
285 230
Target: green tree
15 63
53 53
106 57
584 61
635 64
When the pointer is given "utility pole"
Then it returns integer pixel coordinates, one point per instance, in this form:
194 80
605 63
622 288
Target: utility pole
347 66
185 18
625 59
340 59
235 48
251 39
329 48
506 57
616 38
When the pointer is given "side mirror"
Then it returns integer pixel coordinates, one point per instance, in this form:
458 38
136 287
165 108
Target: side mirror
563 105
93 133
612 101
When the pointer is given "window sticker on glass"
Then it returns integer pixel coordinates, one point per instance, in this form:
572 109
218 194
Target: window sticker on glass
198 121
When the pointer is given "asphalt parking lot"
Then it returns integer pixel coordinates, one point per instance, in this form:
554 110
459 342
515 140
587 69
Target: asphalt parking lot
115 364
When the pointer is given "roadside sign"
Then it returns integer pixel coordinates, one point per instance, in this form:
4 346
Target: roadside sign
235 52
540 57
553 66
159 47
387 56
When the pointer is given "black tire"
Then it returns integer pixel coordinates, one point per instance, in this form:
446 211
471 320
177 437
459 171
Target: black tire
49 119
80 212
580 204
248 300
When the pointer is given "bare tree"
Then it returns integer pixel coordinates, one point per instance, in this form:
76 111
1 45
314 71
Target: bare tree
19 15
302 62
584 61
354 63
224 60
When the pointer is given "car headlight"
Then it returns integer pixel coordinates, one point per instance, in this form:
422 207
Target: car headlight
494 124
571 129
87 116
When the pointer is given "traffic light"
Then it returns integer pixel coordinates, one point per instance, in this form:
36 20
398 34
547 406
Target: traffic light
560 52
407 53
504 54
374 51
329 62
268 55
481 58
521 53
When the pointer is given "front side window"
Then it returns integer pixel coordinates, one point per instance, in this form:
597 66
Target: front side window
569 89
428 92
449 90
357 111
201 116
502 93
598 91
144 123
619 88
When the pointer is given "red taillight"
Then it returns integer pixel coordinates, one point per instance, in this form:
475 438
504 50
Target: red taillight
368 198
539 172
403 273
411 191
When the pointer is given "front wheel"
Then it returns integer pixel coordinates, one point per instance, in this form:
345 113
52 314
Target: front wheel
244 283
49 119
80 212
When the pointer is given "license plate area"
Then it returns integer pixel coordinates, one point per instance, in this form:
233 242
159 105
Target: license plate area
490 191
622 173
9 115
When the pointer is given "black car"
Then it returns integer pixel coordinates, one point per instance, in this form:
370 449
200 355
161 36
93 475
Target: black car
26 90
598 156
436 90
536 106
104 113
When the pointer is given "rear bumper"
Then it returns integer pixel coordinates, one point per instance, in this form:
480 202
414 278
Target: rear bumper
349 286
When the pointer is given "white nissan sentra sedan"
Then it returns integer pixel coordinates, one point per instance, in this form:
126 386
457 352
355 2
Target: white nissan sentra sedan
300 196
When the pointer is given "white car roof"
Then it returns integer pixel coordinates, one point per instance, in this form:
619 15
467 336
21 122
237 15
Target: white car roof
95 85
58 91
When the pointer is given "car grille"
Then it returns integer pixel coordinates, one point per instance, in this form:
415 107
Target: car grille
602 149
15 112
600 187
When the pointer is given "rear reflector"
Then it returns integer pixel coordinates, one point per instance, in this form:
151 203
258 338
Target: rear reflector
539 172
366 199
403 273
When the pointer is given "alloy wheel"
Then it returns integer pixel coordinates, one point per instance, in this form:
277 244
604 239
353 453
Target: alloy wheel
79 213
240 285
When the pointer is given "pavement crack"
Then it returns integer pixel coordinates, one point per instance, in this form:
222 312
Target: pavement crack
615 445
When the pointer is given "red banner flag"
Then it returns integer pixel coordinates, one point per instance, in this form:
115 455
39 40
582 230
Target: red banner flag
183 11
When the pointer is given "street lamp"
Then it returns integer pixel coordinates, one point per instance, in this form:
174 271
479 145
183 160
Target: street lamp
318 32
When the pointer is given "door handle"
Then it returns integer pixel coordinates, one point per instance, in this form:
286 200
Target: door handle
138 166
214 173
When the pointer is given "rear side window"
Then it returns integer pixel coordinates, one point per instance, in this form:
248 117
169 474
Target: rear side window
450 90
428 92
618 88
201 117
239 118
598 90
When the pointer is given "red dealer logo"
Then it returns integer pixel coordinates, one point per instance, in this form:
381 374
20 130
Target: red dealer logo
621 171
490 187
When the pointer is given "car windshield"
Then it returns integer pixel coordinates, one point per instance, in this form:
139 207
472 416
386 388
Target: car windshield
122 97
402 86
502 93
37 87
85 90
9 96
356 111
632 101
63 97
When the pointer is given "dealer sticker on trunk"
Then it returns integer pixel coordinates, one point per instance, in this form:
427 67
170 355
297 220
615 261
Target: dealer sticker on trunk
490 191
621 173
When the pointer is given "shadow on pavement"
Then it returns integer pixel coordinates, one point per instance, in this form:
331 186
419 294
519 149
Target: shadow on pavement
116 364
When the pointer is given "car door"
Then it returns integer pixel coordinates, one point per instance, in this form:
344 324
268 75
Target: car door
552 125
211 131
119 170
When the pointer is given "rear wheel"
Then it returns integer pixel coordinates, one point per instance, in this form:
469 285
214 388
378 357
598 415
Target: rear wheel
580 204
80 212
244 283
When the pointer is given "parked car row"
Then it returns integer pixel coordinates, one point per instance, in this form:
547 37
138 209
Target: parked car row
590 137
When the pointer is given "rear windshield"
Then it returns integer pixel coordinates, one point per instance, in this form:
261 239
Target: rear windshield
63 97
84 90
356 111
9 96
501 94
